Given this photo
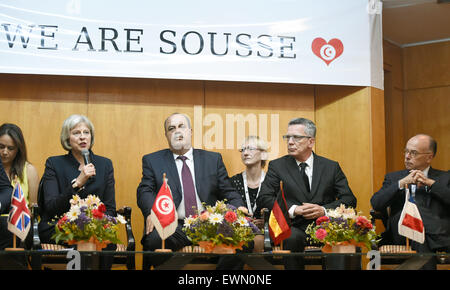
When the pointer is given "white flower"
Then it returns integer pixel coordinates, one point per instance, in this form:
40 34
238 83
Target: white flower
92 200
75 199
73 213
121 219
188 222
242 221
216 218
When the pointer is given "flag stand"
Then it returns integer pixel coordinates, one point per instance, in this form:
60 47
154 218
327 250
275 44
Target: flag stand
281 251
163 249
408 248
14 248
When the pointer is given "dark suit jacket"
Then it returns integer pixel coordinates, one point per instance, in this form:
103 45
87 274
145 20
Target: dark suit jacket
433 204
56 190
211 179
329 186
5 191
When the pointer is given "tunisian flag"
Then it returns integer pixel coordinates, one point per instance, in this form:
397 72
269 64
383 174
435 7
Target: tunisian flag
410 224
164 215
279 221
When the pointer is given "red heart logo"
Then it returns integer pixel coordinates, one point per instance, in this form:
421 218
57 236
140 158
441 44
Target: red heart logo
327 51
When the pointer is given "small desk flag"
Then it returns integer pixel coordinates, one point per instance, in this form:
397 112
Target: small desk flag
279 220
164 215
410 224
19 219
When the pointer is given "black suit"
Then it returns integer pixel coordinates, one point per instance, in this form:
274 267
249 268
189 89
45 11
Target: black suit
5 200
211 181
56 189
329 189
5 191
433 204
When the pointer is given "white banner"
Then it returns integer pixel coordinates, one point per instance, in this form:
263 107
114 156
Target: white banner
285 41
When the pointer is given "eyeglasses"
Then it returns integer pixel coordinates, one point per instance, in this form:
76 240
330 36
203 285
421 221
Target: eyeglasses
78 134
414 153
248 148
297 138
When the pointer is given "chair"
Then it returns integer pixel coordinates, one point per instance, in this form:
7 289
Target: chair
122 257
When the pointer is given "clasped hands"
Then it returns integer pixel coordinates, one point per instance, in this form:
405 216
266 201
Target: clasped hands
416 177
309 210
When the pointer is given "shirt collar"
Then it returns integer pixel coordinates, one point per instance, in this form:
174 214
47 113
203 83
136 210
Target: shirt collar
309 161
189 154
425 171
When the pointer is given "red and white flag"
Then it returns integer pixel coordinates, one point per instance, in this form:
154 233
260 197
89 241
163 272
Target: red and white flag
410 224
164 215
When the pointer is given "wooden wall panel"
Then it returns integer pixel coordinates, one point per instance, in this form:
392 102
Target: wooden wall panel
378 138
39 105
427 111
427 66
344 134
269 106
426 96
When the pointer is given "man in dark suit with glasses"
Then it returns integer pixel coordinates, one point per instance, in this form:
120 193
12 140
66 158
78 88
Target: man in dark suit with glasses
430 189
311 183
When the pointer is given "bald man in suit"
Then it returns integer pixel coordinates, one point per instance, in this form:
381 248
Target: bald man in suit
210 178
430 188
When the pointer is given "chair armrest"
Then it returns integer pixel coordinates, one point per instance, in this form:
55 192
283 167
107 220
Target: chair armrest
267 242
126 212
35 227
376 215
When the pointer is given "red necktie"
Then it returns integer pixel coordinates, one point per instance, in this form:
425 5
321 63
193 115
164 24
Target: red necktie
190 201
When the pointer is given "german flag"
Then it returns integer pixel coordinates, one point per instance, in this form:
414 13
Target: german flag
279 221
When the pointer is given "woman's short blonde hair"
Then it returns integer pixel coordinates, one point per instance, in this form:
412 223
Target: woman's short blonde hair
71 123
260 144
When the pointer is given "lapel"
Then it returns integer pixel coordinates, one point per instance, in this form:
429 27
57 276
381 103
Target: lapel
294 171
433 174
318 170
170 169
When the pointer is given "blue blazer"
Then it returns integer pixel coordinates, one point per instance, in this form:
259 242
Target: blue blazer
211 179
55 190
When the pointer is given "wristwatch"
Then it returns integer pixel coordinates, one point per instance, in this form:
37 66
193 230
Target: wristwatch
75 185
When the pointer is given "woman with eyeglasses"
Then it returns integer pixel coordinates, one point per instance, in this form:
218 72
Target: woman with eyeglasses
248 183
13 153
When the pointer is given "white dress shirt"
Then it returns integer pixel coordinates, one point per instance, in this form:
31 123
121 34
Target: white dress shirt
309 172
190 163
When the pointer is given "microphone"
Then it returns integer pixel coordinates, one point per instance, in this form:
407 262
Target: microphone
86 157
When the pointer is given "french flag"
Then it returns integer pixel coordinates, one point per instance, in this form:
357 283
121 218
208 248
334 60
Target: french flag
410 224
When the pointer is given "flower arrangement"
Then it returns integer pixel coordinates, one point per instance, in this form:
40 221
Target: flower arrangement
86 221
221 224
342 226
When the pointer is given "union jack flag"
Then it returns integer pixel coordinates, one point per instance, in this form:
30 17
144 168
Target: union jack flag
19 220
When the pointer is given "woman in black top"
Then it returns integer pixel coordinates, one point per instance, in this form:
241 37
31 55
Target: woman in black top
248 182
67 175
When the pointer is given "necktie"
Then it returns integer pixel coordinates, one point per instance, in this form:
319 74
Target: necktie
190 200
304 176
